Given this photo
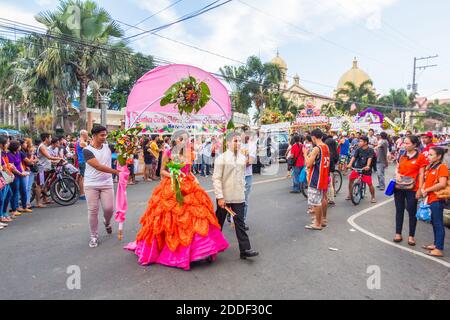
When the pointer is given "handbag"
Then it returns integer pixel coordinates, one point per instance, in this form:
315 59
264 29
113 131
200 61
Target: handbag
406 183
2 183
390 188
7 177
424 212
302 176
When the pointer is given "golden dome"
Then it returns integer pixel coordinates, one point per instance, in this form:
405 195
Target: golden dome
354 75
279 61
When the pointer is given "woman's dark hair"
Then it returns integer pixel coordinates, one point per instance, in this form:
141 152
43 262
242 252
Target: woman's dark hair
384 135
55 140
333 149
98 129
414 140
365 139
3 141
296 139
44 136
14 146
317 133
439 151
308 138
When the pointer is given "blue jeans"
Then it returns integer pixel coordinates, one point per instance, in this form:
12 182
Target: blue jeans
30 182
437 220
19 189
206 164
4 201
248 190
295 178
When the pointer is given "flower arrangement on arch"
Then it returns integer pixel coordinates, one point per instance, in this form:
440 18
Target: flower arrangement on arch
127 143
188 95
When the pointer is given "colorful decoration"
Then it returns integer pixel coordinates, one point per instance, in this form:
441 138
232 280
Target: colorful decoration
121 198
188 95
127 143
175 173
310 111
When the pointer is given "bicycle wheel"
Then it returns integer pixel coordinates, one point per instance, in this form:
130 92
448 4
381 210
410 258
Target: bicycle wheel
356 193
337 178
65 191
363 190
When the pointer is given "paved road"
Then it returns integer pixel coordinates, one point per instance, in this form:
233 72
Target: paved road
295 263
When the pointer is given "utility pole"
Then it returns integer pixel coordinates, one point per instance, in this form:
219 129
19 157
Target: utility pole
414 87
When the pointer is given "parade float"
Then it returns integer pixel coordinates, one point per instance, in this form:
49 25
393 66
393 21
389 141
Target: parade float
149 103
167 99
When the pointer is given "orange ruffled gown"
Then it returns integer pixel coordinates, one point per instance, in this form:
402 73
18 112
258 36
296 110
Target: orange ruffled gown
175 235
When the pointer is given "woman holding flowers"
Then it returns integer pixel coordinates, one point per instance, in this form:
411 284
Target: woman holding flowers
179 225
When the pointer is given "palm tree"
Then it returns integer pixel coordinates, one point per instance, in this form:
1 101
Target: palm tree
86 45
361 96
9 52
252 84
237 78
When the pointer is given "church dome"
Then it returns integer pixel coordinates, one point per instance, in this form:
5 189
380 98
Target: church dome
279 61
354 75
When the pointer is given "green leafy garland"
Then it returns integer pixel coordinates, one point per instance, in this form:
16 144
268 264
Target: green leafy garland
188 95
127 143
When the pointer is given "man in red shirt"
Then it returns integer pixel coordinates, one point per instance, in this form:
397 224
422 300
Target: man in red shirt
427 140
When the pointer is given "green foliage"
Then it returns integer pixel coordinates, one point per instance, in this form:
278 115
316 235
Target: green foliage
253 84
188 95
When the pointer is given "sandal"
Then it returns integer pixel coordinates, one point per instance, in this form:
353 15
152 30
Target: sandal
348 198
313 228
431 247
398 240
373 201
435 253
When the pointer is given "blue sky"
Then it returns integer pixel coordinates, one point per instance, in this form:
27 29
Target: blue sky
317 38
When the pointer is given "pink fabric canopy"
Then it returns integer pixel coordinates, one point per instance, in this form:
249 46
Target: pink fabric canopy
152 86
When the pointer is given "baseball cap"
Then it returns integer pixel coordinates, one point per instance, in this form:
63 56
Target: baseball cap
428 134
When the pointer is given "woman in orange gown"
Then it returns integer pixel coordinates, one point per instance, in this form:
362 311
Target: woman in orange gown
176 235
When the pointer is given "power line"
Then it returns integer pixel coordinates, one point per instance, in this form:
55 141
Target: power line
187 17
155 14
304 30
162 61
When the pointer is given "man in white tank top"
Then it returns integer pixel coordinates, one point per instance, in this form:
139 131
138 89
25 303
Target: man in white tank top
98 182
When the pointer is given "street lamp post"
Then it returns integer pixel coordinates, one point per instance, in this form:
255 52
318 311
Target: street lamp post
104 102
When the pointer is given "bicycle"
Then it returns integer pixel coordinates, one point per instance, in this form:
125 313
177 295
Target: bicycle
337 180
60 186
359 188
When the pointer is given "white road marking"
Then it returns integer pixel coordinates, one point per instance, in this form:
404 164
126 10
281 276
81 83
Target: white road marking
352 219
258 182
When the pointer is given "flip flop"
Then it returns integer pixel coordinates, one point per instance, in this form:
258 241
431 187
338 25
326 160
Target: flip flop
313 228
431 254
348 198
430 247
373 201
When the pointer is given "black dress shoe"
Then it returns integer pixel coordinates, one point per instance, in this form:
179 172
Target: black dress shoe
249 254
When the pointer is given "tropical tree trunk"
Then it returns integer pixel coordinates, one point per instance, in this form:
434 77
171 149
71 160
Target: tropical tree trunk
32 121
13 113
83 103
54 112
2 111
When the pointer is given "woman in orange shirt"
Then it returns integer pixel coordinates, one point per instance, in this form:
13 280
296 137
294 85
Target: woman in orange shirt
412 165
436 177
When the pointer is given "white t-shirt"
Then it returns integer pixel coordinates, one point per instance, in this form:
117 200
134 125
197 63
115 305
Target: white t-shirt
93 177
249 151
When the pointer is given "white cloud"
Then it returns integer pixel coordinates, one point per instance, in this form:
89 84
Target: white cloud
13 13
238 31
